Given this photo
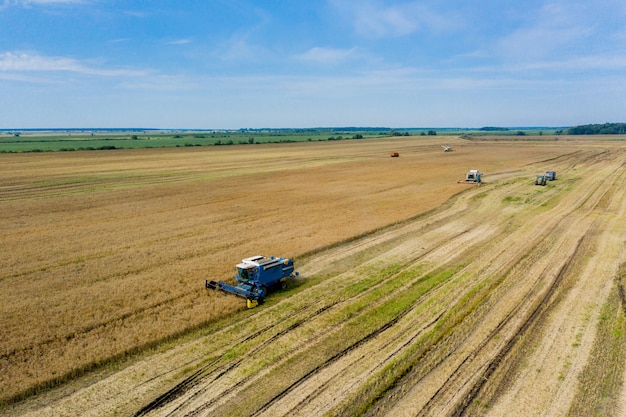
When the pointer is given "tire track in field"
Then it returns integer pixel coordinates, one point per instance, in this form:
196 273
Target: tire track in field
549 231
197 376
542 307
572 156
620 286
505 269
300 407
332 360
561 343
213 372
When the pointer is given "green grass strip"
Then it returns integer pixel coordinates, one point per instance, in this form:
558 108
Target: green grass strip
406 362
600 383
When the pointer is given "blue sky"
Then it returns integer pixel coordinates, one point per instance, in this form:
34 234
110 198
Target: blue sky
295 63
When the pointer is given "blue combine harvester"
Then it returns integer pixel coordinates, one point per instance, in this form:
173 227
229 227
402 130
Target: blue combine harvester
255 276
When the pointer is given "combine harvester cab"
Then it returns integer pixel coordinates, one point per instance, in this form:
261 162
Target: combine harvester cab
256 276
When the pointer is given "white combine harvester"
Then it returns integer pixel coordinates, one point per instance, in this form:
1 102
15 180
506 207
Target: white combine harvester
474 176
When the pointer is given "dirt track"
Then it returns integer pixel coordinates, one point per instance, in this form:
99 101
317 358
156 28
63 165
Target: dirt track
489 305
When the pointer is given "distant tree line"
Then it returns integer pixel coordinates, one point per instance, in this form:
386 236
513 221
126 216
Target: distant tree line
493 129
598 129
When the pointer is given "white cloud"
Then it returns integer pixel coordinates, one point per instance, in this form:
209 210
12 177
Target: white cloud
28 3
378 19
326 55
163 83
49 1
243 45
20 61
4 4
184 41
134 13
562 29
576 64
28 62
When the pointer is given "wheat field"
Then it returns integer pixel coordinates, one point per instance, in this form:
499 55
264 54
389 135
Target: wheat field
105 254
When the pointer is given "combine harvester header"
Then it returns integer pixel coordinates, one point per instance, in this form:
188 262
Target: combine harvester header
255 276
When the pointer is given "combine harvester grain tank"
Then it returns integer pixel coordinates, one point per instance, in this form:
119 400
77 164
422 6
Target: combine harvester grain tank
256 276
